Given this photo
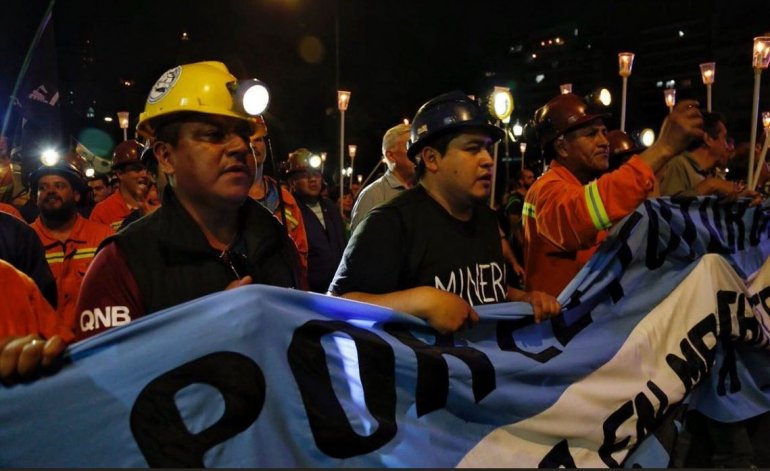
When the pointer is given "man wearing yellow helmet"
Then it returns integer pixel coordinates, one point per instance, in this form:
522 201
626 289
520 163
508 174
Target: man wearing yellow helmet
208 235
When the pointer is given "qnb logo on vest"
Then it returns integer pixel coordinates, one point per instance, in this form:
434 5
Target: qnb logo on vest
481 283
111 316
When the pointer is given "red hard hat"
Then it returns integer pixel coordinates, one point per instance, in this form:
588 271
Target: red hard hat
561 115
621 143
127 152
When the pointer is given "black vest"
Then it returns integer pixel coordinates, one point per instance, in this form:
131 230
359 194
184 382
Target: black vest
173 262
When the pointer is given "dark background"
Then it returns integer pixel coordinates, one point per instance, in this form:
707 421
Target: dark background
392 55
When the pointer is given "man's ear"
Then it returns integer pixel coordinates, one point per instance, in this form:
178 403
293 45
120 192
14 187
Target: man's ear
560 146
429 157
163 152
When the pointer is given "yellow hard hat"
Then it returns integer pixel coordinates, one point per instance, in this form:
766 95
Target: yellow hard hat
202 87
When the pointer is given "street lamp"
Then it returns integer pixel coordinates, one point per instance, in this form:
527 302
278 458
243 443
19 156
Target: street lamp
759 60
352 148
501 106
625 63
565 88
647 136
523 150
343 100
708 72
669 95
123 122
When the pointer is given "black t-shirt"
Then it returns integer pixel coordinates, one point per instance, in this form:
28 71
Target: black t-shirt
412 241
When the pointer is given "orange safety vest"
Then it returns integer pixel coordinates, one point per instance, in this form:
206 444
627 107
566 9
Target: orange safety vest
25 310
70 259
564 220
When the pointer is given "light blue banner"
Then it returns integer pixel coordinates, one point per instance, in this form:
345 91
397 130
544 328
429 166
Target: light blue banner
269 377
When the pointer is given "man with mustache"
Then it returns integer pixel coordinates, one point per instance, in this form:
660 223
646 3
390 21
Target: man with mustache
132 190
208 235
434 250
70 241
568 210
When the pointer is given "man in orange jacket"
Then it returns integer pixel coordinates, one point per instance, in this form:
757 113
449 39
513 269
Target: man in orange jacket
27 320
70 240
265 191
132 192
568 210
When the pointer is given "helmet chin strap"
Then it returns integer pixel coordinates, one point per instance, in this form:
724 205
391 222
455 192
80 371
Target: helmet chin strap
259 171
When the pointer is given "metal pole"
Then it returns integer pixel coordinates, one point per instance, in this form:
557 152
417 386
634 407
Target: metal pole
754 113
342 159
494 173
708 97
760 162
125 134
25 65
623 105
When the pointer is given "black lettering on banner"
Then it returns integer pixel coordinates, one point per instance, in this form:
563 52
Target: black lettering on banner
648 419
625 256
734 222
558 457
331 429
715 243
433 371
157 425
507 343
565 333
758 226
693 367
760 299
610 427
654 259
729 367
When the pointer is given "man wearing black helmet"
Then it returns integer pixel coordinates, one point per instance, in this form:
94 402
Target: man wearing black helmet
569 209
69 239
434 250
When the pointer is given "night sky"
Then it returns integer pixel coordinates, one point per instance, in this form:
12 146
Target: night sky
392 55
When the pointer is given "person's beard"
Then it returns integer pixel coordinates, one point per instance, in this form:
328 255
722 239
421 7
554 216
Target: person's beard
60 215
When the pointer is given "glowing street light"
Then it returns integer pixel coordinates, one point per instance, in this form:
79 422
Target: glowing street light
759 60
625 63
565 88
523 150
518 129
669 95
352 148
123 122
343 100
501 103
708 72
647 136
501 106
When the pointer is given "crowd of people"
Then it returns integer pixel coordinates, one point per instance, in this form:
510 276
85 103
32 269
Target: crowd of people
421 239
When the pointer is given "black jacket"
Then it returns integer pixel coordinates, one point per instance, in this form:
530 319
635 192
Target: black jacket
173 262
325 246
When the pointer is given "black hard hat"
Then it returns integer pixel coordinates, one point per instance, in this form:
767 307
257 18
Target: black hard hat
444 114
63 169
